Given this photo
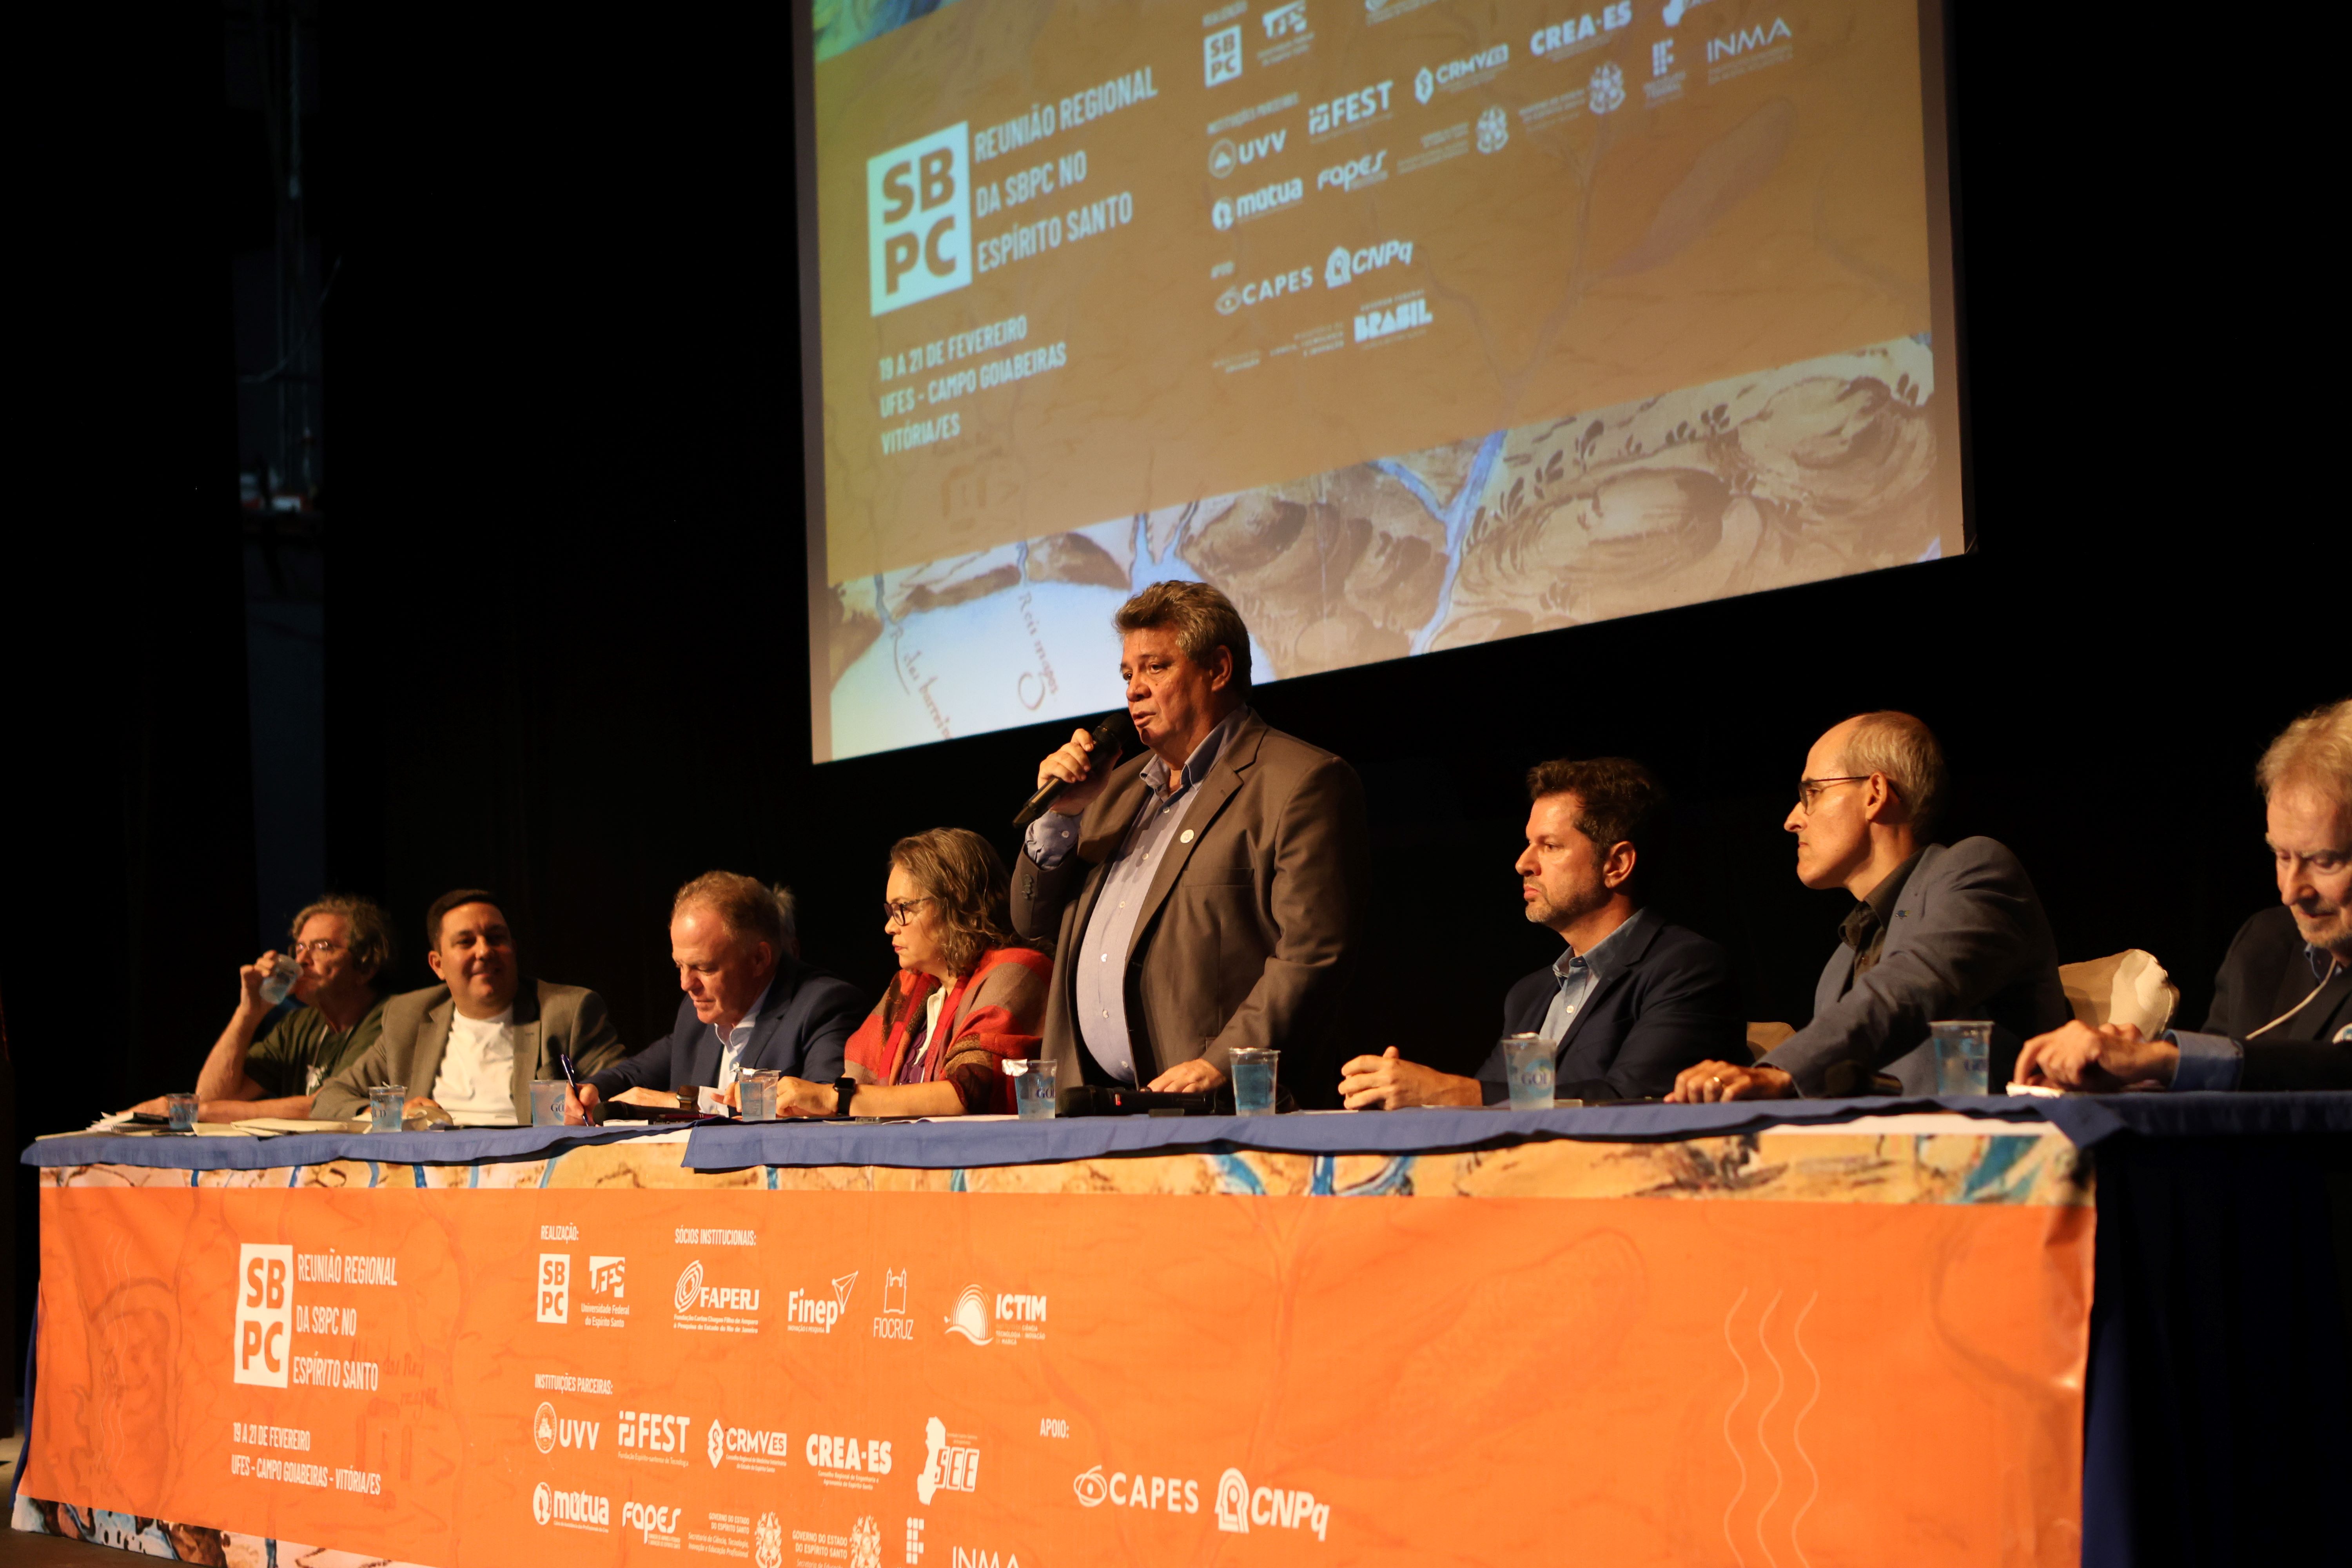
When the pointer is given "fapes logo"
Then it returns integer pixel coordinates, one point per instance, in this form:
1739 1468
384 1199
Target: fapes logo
919 218
265 1314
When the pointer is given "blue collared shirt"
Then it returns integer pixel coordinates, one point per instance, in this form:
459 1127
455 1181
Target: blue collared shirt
735 1041
1580 973
1100 983
2215 1061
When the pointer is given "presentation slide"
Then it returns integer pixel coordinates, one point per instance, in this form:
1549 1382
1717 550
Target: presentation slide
1409 324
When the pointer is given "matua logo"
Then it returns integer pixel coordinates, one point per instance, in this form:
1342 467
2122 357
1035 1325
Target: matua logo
265 1314
1238 1507
580 1511
918 219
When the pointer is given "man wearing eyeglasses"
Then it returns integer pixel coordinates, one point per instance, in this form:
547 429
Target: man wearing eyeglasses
750 1002
341 944
1936 931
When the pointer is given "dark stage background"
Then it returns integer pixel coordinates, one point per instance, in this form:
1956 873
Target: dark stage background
565 616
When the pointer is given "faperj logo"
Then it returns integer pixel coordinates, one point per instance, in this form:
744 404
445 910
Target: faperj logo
693 1295
689 1287
918 219
265 1314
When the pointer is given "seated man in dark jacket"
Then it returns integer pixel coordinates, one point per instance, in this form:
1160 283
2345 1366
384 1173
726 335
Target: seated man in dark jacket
750 1002
1632 1001
1936 931
2282 1014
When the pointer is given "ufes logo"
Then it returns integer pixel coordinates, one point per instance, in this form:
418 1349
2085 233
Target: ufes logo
919 218
265 1313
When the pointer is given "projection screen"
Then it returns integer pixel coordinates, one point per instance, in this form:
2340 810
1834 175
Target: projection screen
1409 324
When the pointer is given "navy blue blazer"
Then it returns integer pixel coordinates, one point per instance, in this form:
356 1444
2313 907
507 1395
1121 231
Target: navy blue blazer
1664 1002
802 1034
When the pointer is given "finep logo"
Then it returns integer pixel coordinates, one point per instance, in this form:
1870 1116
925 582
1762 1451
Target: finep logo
919 218
265 1314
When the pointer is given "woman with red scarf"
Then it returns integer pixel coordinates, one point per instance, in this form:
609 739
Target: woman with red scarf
965 1000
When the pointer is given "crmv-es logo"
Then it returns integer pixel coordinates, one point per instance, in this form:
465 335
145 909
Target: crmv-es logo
1453 73
549 1431
1238 1507
760 1449
1369 169
570 1509
1228 154
265 1314
651 1519
815 1313
919 218
1164 1494
1344 266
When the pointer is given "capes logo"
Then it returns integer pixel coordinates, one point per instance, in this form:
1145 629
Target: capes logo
1425 81
1168 1494
1300 281
265 1314
1370 169
919 220
1345 266
1238 1507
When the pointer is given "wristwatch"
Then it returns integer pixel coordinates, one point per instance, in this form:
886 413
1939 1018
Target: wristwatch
845 1089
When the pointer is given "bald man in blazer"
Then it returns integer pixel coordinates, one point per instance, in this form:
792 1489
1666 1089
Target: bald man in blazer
511 1028
1206 895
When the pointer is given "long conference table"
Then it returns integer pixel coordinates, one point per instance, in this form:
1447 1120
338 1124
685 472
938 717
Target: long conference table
1816 1334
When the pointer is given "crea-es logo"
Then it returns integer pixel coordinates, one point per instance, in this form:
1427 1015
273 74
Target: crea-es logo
951 1462
650 1520
575 1510
265 1314
1345 266
1238 1507
919 218
1563 37
1165 1494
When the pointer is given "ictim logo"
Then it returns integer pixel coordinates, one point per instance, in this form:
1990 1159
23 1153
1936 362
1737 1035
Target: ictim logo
918 219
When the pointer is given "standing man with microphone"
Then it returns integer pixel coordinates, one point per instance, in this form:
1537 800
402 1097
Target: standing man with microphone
1208 894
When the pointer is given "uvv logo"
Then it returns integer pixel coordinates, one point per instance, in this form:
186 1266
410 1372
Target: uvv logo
919 218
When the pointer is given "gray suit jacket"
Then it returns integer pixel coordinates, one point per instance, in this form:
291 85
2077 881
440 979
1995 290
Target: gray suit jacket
1249 927
1968 940
550 1021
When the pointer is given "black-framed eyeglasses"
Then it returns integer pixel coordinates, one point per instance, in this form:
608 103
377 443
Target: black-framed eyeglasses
1809 790
899 912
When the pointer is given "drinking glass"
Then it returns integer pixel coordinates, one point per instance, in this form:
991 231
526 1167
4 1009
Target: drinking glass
756 1089
1253 1072
1032 1089
1963 1054
385 1102
1527 1068
546 1101
181 1110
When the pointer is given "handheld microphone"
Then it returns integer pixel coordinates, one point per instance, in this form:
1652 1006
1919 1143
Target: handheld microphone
1114 731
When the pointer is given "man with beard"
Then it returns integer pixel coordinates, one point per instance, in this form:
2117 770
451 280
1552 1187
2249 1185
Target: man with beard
1635 999
2282 1014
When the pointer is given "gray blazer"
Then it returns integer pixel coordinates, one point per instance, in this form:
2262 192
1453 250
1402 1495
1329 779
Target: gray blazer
550 1021
1968 939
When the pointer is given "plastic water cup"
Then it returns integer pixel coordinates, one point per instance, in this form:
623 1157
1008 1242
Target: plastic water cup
280 983
385 1102
1253 1072
756 1090
1963 1054
546 1101
1527 1068
1032 1088
181 1110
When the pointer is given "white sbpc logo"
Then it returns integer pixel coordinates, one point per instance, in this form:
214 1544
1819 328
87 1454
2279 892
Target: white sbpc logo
919 218
265 1313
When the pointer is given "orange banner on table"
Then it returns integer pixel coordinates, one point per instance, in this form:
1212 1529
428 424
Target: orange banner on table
941 1379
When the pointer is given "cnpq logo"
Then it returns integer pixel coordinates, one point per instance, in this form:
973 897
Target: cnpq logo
265 1314
919 218
1238 1507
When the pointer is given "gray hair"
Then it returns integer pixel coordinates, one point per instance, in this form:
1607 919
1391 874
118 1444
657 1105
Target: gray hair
1202 619
1905 751
2314 751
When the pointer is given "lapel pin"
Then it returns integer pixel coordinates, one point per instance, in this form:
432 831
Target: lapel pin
1185 837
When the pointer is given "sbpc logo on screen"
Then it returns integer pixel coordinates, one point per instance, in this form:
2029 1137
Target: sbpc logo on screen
919 218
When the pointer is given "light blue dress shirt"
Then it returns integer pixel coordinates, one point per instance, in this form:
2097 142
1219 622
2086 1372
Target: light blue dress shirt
1578 975
1100 982
735 1041
2215 1061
